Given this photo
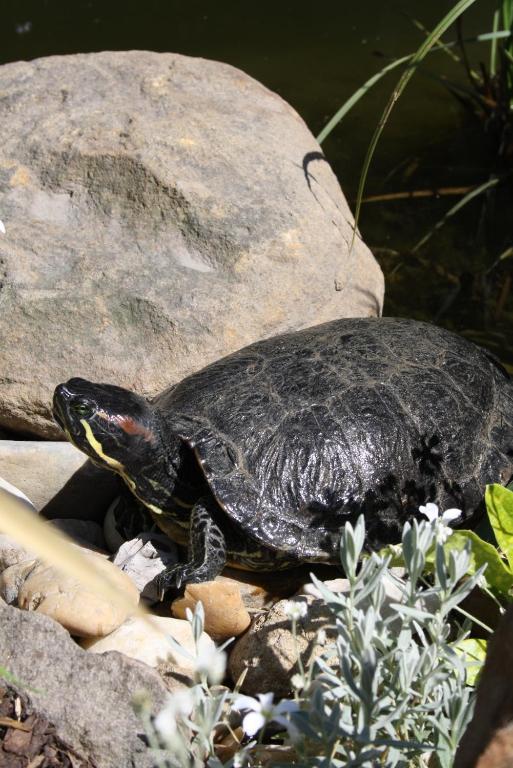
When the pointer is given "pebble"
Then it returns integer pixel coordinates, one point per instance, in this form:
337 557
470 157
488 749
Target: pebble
225 613
13 578
147 641
267 652
81 611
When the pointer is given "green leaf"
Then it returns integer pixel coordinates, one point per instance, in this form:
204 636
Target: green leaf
395 554
497 574
499 505
475 651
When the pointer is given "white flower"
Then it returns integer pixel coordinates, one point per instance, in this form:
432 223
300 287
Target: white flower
442 532
430 510
451 514
297 681
178 704
2 227
295 610
432 513
262 711
210 661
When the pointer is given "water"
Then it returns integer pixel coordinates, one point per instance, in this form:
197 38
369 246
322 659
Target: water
315 57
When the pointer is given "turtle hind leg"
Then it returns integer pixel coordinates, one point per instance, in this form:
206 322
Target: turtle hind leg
207 550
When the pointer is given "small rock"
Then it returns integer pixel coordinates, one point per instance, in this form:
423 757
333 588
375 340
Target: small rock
12 553
144 558
268 651
148 641
335 585
229 744
391 584
81 611
261 589
40 468
488 740
13 577
225 614
85 532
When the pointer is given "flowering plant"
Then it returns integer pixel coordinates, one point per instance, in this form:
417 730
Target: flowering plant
389 688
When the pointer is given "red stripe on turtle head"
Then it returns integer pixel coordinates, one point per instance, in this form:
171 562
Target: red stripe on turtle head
129 425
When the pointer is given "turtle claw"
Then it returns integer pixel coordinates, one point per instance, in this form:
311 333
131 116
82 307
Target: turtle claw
172 577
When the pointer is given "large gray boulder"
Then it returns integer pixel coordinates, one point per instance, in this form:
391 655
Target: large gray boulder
160 212
87 696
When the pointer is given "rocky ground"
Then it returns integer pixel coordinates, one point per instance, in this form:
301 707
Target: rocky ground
78 659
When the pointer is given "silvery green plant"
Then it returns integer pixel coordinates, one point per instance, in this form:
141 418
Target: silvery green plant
388 688
391 687
182 733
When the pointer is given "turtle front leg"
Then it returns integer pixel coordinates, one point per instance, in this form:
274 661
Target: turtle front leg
207 551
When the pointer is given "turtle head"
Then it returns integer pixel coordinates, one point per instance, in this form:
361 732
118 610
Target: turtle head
113 426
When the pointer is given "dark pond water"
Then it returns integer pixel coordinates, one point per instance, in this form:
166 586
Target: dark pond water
315 56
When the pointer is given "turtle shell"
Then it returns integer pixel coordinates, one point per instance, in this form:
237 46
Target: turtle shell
298 433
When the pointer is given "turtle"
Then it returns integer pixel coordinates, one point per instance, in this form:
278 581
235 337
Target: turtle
260 458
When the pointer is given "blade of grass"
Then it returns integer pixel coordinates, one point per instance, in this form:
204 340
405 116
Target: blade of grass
420 54
445 47
357 95
493 47
459 205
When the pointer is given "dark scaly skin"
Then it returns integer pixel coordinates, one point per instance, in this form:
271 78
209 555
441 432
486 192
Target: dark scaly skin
292 436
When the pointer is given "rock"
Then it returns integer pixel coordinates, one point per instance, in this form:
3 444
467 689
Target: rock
13 578
499 752
144 558
82 612
16 492
225 614
136 638
488 740
12 553
157 218
262 589
87 696
39 468
84 532
392 588
27 736
268 652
